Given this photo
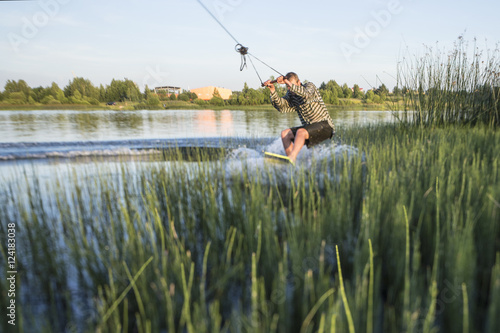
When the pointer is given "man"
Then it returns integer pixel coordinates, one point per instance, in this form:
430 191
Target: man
317 125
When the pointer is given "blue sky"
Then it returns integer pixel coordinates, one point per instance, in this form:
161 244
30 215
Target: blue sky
175 42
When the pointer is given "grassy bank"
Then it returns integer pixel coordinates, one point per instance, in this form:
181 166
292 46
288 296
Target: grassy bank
411 222
179 105
76 107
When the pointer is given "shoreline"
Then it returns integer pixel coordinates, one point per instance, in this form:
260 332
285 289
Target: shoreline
190 106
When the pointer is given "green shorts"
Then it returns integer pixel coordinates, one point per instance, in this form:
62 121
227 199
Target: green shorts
318 132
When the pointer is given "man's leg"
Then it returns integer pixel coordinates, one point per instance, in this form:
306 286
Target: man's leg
287 138
300 139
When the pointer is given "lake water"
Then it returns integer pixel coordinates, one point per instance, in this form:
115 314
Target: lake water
67 126
44 143
45 134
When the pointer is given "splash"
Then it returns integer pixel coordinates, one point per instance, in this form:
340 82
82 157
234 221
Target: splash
252 163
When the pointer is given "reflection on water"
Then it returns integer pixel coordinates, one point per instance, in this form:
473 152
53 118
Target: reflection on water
206 123
226 121
60 125
215 123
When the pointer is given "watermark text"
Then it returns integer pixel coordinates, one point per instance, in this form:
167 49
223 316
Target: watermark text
11 273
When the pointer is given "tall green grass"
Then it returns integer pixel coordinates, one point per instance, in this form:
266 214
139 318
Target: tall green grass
197 247
461 86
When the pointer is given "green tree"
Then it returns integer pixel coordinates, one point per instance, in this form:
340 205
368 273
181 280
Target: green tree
162 95
193 96
382 90
133 92
216 93
396 91
200 102
357 93
233 100
250 96
39 93
48 95
173 97
123 91
153 100
346 91
85 88
325 95
266 97
57 93
183 97
77 98
147 93
17 87
245 88
49 99
102 93
217 101
334 87
329 97
16 98
113 91
369 96
186 96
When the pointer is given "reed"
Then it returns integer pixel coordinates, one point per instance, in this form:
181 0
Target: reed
457 87
194 245
350 323
465 325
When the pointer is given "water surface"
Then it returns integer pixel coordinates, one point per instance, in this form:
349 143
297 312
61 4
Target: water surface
65 136
105 125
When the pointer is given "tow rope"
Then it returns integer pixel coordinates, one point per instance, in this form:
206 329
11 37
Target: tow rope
242 50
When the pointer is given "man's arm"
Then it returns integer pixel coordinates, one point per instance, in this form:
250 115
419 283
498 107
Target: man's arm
306 91
280 103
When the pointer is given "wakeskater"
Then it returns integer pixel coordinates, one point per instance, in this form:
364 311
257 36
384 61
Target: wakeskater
305 99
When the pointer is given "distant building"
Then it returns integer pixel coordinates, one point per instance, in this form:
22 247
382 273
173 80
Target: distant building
206 93
168 90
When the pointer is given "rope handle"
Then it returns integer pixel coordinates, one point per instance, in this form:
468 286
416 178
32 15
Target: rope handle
273 81
243 51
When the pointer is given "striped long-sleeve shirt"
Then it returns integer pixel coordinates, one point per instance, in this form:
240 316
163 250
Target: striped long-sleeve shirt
306 101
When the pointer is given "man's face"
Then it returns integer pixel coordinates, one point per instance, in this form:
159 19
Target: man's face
292 81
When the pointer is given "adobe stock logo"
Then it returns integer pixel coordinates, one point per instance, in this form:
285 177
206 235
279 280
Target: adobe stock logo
32 26
363 36
221 7
155 77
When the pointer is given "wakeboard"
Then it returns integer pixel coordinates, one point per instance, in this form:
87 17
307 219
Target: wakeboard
278 157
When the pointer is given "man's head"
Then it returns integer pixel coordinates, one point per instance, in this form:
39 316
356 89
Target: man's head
293 78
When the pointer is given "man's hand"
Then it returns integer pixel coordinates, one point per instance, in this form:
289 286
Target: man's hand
270 85
283 80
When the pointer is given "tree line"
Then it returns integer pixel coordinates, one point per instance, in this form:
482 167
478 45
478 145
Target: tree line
82 91
78 91
331 92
